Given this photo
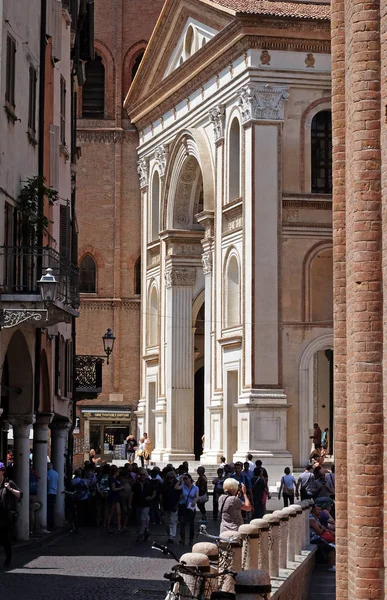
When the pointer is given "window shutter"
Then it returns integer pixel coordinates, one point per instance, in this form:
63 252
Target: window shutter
93 91
54 156
10 71
64 240
62 111
57 366
32 100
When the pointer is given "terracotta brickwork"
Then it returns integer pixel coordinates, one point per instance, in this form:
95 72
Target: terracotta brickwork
359 398
109 211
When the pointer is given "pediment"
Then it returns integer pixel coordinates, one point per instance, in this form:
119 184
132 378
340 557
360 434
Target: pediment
182 30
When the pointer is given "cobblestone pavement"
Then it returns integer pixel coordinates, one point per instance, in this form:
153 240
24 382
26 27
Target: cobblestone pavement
90 565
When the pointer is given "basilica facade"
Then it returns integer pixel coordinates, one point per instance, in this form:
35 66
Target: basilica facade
232 106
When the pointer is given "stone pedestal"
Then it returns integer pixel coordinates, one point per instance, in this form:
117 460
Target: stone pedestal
263 527
59 438
251 545
274 545
21 434
40 465
284 534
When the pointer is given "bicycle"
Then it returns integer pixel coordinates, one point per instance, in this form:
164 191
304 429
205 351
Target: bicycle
200 586
224 546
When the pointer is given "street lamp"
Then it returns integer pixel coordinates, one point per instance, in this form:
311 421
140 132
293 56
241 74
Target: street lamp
48 286
108 343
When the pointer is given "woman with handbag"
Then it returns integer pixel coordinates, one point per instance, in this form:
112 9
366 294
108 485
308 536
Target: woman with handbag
288 483
203 493
9 497
187 506
231 504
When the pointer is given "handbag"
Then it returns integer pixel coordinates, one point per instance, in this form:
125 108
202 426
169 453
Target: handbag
203 499
289 491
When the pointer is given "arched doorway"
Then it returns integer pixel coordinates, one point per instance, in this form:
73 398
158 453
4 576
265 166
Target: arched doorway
316 393
20 376
199 384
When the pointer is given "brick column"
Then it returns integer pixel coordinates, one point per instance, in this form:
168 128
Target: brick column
339 293
364 302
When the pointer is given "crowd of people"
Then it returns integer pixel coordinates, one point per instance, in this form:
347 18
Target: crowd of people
135 495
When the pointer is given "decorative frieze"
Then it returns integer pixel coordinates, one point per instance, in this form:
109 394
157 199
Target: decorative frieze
142 170
104 136
180 276
14 317
217 117
264 103
179 249
161 155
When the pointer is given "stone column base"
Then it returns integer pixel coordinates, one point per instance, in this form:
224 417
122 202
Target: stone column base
176 457
211 457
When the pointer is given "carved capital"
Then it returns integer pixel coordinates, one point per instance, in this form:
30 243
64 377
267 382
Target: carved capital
264 103
161 155
217 116
142 170
207 262
180 276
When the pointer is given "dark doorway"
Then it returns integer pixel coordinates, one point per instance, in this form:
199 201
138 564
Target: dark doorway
199 413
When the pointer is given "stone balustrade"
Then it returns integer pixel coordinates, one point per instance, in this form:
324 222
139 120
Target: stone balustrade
265 553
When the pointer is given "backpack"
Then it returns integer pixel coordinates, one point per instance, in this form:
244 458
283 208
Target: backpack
219 487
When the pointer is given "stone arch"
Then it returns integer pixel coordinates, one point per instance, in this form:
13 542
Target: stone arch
305 392
189 153
307 295
153 314
232 289
20 376
305 141
196 305
234 152
130 58
97 256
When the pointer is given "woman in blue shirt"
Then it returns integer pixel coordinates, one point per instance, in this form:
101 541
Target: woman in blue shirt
288 483
187 506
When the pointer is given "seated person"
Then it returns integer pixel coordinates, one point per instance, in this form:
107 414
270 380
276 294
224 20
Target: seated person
318 533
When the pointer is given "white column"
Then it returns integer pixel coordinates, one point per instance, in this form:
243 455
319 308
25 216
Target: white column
21 434
59 435
40 465
179 364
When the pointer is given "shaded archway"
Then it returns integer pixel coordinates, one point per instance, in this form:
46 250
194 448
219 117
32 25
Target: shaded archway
45 401
199 383
20 376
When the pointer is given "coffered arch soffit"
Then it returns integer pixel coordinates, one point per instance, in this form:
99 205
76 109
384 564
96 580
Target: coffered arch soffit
190 165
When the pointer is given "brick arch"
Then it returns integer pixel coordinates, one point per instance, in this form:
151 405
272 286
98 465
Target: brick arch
110 76
306 120
128 63
95 255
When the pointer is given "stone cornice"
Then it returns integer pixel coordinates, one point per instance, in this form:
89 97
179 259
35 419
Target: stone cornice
104 136
207 62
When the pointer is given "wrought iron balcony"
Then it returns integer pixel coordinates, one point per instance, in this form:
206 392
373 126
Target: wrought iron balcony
88 382
21 268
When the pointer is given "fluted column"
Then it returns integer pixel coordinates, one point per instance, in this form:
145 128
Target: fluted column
21 434
40 465
179 363
59 435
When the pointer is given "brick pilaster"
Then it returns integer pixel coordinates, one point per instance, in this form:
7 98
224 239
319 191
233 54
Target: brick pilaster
364 301
339 292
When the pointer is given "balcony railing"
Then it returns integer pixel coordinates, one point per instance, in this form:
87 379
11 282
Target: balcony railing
88 381
21 267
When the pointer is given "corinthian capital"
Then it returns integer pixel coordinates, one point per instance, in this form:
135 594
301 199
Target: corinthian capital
142 170
161 153
217 119
180 276
263 103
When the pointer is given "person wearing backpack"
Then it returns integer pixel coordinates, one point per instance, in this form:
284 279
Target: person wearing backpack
288 483
9 498
305 483
218 491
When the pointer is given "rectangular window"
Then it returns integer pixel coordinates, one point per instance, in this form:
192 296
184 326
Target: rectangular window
32 101
62 111
10 71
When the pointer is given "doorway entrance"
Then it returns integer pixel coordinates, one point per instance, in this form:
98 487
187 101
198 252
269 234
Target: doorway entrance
199 383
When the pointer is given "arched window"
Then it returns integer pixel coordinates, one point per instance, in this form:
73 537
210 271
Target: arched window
93 91
234 161
136 64
153 318
189 42
87 275
155 209
137 276
321 152
233 312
